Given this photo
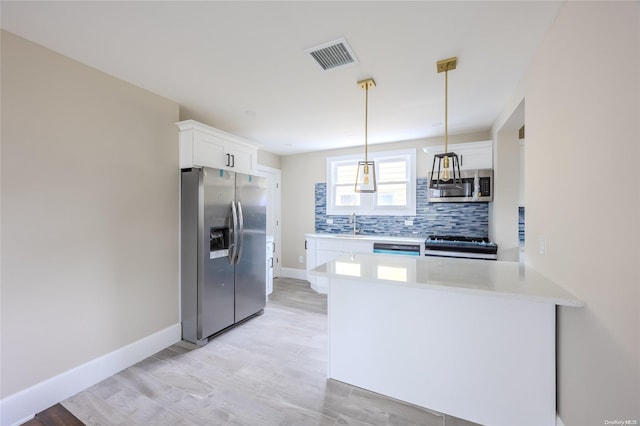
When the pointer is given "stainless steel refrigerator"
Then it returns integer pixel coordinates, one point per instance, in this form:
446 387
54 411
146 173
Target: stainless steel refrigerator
223 243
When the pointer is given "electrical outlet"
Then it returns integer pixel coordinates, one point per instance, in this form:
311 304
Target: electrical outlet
300 259
408 223
329 221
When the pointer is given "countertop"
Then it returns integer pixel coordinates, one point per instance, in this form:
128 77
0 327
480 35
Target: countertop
480 277
367 237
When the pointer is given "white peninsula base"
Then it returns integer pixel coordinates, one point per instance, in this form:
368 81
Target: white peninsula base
435 339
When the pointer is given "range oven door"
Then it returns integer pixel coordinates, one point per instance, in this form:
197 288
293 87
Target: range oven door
399 249
460 254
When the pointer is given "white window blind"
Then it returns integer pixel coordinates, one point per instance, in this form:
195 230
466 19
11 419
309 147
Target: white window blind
345 176
392 183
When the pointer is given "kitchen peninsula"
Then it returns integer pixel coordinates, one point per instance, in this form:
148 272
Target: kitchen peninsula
471 338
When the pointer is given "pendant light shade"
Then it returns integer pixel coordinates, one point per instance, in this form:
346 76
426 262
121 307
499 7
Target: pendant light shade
366 173
366 177
448 163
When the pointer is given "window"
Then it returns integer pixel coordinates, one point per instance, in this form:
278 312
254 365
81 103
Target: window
396 181
345 177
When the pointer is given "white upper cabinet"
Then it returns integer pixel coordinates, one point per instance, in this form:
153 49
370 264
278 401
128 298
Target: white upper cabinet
472 155
205 146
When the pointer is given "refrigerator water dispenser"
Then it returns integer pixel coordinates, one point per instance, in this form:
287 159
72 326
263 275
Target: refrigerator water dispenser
218 242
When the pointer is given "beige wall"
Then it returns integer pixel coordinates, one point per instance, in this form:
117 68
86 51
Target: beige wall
582 95
301 172
89 214
268 159
503 212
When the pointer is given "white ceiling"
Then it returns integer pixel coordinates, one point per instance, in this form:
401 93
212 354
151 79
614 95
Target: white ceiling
241 66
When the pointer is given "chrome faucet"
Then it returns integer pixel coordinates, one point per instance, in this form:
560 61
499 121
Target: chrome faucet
352 219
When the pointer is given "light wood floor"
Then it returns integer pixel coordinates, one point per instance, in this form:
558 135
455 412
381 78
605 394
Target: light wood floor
270 370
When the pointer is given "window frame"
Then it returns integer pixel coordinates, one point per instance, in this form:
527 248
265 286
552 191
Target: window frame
369 201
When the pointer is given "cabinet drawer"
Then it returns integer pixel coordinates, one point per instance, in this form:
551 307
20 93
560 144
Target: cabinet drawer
345 245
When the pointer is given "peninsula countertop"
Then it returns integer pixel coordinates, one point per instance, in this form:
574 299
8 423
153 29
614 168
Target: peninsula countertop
479 277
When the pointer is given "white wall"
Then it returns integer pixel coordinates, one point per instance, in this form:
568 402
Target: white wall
301 172
582 94
89 214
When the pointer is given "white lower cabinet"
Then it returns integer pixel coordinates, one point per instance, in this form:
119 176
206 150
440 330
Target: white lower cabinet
322 250
269 272
310 247
321 284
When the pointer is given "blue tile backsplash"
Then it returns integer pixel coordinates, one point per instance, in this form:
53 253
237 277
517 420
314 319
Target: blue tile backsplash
460 219
521 225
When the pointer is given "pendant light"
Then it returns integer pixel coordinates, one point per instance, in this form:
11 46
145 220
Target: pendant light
444 171
366 173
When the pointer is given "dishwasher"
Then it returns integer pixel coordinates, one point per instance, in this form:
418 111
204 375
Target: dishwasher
396 248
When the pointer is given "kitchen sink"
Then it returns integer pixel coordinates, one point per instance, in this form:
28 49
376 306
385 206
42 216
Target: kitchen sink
350 236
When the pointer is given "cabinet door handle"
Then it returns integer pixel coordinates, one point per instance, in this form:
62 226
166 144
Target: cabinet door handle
462 160
229 160
305 244
273 246
233 160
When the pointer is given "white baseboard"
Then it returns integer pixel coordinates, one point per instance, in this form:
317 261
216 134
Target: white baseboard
22 406
558 420
299 274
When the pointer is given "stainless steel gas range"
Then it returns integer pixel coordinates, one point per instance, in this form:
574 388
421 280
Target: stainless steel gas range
460 247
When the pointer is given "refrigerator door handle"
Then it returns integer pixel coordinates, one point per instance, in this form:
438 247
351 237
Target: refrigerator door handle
240 233
233 244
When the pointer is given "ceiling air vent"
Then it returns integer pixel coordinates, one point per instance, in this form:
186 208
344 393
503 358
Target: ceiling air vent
333 55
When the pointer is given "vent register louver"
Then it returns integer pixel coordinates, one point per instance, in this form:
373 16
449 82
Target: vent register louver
333 55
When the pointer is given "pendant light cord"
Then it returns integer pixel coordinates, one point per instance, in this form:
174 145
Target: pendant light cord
366 120
446 111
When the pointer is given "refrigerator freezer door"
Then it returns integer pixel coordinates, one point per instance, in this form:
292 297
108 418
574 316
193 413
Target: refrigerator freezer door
233 232
240 234
250 283
190 217
216 285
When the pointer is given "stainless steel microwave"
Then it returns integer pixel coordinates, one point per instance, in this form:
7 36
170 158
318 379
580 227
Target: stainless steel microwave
473 186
